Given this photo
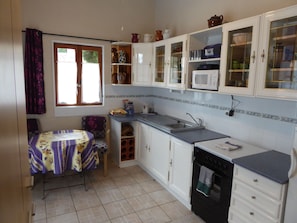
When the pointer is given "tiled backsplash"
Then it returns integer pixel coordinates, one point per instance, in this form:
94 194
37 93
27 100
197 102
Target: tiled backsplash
264 122
257 114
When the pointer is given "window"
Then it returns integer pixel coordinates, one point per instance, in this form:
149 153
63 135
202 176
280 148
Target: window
78 75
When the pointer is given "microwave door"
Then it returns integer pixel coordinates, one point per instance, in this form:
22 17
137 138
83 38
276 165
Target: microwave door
201 79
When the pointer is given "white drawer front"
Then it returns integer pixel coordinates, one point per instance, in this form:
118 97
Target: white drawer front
257 198
253 213
259 182
235 217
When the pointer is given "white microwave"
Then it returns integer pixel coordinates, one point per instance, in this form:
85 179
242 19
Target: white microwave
205 79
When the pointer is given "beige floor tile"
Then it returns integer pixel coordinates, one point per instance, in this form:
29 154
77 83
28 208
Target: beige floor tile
96 175
117 172
107 196
104 184
142 177
134 169
162 197
65 218
175 210
59 202
192 218
151 186
118 209
153 215
93 215
39 209
141 202
84 199
131 218
124 180
131 190
40 221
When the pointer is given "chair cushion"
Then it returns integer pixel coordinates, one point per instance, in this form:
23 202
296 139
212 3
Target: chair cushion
95 124
100 146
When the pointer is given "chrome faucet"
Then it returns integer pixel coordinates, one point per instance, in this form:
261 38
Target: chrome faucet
199 122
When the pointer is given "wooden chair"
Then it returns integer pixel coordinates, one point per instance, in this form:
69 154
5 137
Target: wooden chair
98 126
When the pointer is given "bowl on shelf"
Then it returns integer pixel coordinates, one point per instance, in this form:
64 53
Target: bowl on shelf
241 38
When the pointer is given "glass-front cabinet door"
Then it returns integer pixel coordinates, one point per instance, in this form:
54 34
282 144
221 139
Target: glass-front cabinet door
278 62
169 63
238 58
176 76
159 64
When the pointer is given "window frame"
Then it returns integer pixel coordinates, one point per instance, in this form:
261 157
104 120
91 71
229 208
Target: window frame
79 48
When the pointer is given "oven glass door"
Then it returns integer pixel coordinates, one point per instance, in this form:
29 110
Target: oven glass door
215 188
217 201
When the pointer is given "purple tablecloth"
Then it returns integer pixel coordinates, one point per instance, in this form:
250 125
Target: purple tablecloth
62 150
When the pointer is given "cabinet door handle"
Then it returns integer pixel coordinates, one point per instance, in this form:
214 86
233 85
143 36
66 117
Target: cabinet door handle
263 56
254 56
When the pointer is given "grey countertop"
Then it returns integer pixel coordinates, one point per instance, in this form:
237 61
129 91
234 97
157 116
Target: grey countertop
187 136
271 164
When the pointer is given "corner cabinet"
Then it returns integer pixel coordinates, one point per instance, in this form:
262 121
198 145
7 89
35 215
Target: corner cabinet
239 54
169 68
123 143
142 64
278 61
121 59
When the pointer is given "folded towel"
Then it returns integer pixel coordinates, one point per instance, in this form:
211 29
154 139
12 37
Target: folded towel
205 180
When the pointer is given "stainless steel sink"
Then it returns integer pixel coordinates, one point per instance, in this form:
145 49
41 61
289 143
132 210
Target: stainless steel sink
182 127
170 124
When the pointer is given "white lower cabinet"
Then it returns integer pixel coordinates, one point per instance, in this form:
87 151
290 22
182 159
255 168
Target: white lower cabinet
154 151
181 166
256 198
167 159
159 149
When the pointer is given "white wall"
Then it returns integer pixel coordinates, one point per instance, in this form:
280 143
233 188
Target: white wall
186 16
90 18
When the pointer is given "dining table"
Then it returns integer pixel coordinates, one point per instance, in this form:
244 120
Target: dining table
62 150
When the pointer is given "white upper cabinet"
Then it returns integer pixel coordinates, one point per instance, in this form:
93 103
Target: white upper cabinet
199 42
170 63
239 56
277 66
142 55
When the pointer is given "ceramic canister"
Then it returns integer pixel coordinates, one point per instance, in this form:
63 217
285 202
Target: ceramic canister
147 38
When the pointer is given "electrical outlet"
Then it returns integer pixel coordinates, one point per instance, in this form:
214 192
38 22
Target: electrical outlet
230 112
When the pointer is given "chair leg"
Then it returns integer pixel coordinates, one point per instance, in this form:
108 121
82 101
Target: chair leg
105 164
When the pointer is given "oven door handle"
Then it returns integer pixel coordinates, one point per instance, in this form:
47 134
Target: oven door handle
214 172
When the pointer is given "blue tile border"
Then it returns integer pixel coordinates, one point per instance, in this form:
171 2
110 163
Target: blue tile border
212 106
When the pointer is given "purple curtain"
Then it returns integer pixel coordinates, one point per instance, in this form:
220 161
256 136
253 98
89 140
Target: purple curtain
34 82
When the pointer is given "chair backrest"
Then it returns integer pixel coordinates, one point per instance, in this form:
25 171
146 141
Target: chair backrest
32 127
95 124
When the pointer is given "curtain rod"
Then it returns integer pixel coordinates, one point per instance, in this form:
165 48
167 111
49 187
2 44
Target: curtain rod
79 37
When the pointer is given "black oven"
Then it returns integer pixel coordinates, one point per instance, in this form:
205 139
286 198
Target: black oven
212 206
